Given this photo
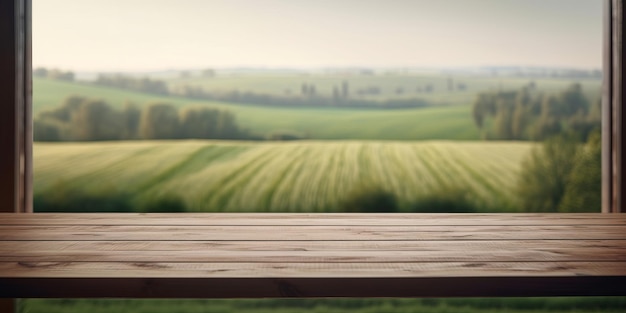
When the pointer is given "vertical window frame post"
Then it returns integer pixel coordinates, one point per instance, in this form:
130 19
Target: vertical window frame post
613 108
15 107
15 113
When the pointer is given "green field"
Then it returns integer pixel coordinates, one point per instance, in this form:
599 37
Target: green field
448 122
304 176
449 118
458 305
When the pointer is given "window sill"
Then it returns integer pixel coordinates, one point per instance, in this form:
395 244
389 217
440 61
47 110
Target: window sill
311 255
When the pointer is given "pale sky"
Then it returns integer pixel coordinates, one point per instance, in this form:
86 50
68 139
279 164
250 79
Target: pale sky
125 35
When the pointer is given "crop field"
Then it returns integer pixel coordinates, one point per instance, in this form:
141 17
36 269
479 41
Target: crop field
304 176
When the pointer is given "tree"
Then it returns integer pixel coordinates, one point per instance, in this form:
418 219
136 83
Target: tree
47 130
546 173
545 127
504 117
40 72
370 198
130 118
595 111
312 90
96 120
61 75
523 97
68 107
573 101
519 121
584 190
199 123
209 72
535 104
345 91
336 94
478 111
227 126
159 121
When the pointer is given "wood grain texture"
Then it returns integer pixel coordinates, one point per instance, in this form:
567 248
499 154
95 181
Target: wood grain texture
330 270
311 255
315 219
616 68
309 233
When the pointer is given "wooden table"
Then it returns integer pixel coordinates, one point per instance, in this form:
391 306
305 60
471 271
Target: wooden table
311 255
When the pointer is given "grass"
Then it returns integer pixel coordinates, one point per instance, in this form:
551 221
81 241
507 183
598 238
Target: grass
459 305
301 176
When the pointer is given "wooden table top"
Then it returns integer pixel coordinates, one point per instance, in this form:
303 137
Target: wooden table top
311 255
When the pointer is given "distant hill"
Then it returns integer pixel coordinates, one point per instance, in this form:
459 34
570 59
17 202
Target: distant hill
449 122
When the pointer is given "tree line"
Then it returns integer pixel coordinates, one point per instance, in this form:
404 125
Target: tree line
55 74
308 96
563 174
86 119
528 114
145 85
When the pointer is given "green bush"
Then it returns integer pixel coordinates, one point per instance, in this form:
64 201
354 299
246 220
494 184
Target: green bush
370 199
285 135
163 204
82 202
446 200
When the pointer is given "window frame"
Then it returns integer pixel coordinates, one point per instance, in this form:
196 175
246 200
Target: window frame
612 108
16 109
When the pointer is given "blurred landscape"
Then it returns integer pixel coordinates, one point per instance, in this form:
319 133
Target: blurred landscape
318 106
184 142
240 143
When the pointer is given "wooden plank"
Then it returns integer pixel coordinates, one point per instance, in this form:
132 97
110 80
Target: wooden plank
270 219
314 251
315 287
123 270
18 247
329 256
310 280
277 259
345 233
